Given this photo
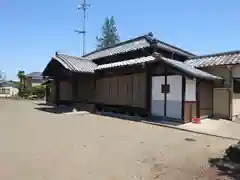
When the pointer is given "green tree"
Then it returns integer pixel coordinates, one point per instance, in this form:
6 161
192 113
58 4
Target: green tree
21 76
109 35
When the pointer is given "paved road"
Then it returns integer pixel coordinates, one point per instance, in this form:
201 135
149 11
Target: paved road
36 145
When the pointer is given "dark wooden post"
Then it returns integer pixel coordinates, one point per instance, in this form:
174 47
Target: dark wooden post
165 93
57 94
148 90
183 97
198 82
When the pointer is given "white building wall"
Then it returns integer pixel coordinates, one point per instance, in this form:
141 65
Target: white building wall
12 92
157 105
174 97
190 92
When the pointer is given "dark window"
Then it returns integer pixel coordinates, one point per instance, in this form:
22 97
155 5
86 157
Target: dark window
165 88
236 85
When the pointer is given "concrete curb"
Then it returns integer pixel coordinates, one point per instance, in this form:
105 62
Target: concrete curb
76 113
188 130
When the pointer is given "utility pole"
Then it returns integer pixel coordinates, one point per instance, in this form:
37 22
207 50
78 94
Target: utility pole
83 7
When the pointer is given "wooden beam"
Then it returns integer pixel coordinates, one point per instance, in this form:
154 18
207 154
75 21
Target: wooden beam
165 94
183 95
148 90
57 95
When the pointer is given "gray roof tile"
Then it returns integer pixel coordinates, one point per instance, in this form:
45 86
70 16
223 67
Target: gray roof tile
173 63
171 48
76 64
226 58
189 69
34 75
8 84
126 63
135 44
119 48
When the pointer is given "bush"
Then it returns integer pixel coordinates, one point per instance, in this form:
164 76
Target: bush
37 92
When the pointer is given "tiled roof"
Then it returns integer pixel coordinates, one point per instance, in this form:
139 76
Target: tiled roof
7 84
189 69
126 46
171 48
75 64
173 63
226 58
126 63
135 44
35 75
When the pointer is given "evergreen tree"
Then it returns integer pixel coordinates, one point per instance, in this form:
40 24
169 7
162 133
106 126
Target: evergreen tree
22 77
109 35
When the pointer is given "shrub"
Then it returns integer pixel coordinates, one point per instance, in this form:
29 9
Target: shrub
36 91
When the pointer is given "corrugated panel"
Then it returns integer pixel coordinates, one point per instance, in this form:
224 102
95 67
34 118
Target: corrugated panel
75 63
215 59
121 48
126 63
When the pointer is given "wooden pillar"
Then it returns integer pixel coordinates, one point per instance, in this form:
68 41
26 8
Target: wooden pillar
47 93
57 94
148 89
165 94
231 92
183 95
198 82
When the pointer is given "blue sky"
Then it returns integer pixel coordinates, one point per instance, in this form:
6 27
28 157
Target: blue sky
31 31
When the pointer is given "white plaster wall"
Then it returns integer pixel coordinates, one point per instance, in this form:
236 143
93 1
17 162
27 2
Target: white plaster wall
157 104
157 82
220 71
13 92
175 83
190 93
174 97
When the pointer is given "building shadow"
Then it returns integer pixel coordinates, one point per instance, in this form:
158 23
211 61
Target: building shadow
43 104
226 167
147 120
55 110
120 116
164 120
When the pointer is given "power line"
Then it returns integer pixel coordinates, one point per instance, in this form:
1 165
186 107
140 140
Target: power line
84 7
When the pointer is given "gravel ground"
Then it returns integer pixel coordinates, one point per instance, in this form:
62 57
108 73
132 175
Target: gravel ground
37 145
